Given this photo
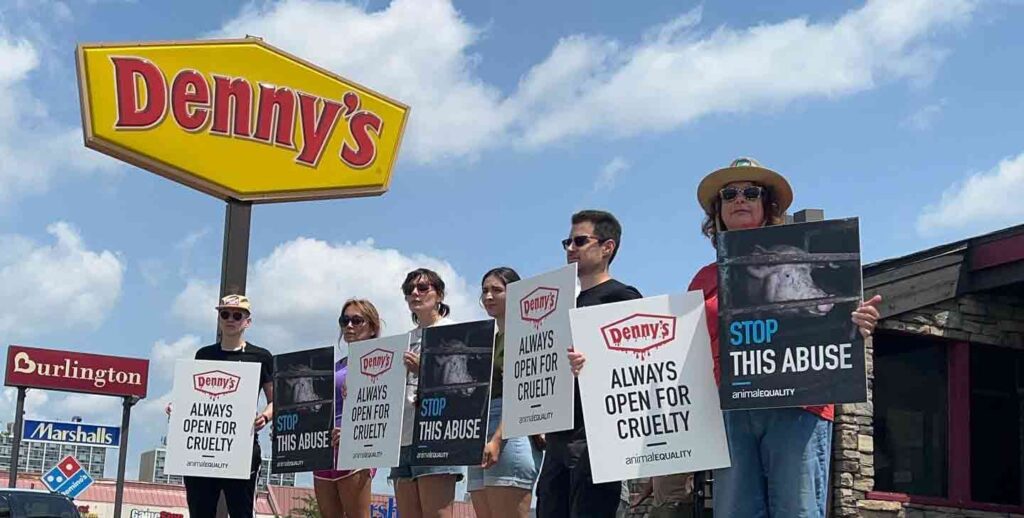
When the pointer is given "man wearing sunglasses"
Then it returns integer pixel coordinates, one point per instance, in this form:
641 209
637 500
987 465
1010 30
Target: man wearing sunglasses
592 244
234 316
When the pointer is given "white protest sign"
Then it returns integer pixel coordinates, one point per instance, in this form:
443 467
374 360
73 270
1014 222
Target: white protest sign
537 392
371 424
210 433
648 388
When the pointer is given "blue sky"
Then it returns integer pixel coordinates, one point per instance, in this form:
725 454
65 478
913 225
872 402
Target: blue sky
903 113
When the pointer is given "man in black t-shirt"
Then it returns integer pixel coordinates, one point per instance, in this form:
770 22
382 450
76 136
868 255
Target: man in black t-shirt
202 493
566 487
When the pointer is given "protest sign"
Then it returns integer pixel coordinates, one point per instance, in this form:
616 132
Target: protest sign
371 425
450 426
538 384
785 294
210 433
303 411
648 391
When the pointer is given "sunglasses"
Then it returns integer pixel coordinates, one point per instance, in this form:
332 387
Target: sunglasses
420 287
237 315
356 321
579 241
751 192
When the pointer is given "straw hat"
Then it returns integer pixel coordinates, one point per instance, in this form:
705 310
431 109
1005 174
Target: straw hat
745 170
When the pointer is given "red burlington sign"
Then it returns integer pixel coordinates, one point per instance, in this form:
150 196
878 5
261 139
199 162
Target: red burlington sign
76 372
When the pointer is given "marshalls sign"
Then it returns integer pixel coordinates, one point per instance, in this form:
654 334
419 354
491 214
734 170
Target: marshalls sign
537 391
648 390
211 427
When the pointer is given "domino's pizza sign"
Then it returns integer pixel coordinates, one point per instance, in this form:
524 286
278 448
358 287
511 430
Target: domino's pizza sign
68 477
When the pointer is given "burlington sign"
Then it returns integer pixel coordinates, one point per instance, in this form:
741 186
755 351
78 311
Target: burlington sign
76 372
238 119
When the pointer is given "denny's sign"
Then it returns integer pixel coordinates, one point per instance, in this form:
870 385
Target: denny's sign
238 119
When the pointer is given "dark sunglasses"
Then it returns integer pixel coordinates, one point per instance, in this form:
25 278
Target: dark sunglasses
422 287
237 315
579 241
356 321
751 192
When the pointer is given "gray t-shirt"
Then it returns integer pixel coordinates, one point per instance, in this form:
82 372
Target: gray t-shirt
412 382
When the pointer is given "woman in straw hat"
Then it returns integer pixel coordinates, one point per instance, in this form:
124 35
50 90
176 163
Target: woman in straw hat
780 457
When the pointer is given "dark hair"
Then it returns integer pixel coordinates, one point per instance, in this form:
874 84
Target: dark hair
606 227
505 274
435 281
369 311
713 218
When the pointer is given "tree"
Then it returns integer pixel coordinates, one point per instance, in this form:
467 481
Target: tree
309 508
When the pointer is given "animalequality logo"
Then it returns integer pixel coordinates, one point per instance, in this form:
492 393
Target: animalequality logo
639 333
376 363
538 304
215 383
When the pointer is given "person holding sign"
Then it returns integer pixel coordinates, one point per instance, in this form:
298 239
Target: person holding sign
422 491
502 484
566 486
347 492
780 457
202 493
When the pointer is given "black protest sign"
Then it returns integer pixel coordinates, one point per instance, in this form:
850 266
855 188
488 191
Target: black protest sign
303 411
454 394
785 295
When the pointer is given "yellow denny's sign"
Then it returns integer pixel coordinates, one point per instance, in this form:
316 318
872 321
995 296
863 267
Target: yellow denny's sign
238 119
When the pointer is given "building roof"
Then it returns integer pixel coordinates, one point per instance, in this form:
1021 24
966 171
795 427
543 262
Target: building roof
988 262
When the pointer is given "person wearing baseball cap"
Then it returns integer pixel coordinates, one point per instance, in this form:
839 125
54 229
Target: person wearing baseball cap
780 457
234 317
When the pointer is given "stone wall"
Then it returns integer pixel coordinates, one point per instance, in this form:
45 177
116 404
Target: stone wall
992 319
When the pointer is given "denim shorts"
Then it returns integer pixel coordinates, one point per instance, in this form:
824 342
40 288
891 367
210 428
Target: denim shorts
518 464
406 471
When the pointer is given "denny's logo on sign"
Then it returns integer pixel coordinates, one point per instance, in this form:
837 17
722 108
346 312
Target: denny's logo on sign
238 119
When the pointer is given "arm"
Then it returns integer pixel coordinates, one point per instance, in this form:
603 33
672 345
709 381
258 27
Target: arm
645 491
267 415
492 450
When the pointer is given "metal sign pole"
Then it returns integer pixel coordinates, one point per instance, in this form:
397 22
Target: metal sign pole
122 453
19 414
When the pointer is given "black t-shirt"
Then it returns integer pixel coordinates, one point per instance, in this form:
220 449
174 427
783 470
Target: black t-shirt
605 293
249 353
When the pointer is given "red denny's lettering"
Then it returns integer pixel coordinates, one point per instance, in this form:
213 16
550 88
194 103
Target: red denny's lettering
225 106
538 304
639 333
215 383
376 362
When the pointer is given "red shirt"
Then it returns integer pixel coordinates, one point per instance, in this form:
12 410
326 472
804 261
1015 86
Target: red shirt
706 280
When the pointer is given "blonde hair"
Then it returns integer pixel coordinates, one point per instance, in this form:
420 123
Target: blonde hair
713 218
369 311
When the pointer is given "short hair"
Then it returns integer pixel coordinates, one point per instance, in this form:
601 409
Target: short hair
713 218
605 227
369 311
434 280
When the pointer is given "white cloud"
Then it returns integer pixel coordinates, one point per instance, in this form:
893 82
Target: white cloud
985 201
34 147
609 174
297 291
924 118
164 355
420 52
415 51
59 286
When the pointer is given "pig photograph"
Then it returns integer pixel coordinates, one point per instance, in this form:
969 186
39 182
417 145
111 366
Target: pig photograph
785 297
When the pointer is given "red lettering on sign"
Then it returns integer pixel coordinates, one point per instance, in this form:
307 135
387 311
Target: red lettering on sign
277 110
316 129
232 96
127 75
190 100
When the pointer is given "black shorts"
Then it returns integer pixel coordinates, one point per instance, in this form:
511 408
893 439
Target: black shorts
203 493
566 488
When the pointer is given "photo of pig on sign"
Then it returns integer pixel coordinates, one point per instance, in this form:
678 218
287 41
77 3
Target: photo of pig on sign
303 411
785 297
210 433
454 394
538 385
648 388
371 423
